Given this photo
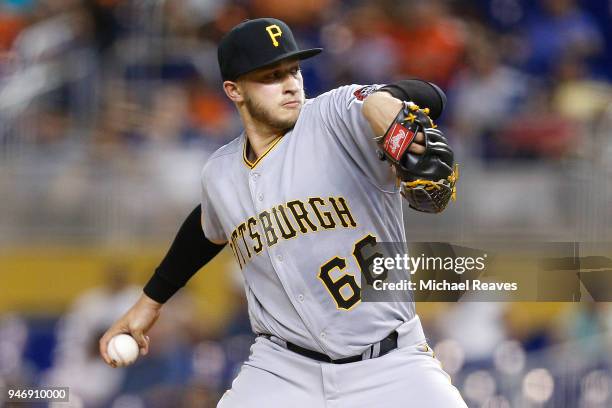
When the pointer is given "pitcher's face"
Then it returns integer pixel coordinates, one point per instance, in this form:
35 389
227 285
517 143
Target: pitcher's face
274 95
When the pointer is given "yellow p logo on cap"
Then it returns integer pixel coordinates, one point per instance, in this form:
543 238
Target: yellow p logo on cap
274 31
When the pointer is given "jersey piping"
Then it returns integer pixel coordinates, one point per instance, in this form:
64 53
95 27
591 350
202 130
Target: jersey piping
253 164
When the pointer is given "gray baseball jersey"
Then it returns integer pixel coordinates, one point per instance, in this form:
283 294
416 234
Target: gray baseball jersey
300 222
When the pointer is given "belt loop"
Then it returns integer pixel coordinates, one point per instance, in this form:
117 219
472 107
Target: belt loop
367 354
276 340
376 350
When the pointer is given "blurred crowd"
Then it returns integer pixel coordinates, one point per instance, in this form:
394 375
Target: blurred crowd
523 77
527 81
109 106
499 355
189 364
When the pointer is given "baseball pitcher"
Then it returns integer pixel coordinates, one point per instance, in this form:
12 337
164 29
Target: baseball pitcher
301 197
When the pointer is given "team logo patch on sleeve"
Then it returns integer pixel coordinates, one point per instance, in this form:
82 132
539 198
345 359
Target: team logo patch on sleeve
398 141
364 91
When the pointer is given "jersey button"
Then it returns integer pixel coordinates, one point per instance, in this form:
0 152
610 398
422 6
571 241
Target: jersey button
254 176
260 197
279 257
323 335
301 297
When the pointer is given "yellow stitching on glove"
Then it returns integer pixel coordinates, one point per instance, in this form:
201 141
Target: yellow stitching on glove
431 185
453 178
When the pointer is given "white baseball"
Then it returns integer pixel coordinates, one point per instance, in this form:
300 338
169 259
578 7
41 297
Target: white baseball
123 349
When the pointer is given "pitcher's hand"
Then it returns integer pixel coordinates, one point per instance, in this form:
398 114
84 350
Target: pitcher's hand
136 322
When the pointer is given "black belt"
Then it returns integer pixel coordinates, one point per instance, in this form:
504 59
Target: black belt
376 350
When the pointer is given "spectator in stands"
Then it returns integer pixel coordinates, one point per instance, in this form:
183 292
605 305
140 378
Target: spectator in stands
485 95
559 29
429 40
361 47
75 363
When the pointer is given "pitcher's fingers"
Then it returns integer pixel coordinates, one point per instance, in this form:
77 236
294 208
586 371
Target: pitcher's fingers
416 148
103 343
141 339
146 350
420 137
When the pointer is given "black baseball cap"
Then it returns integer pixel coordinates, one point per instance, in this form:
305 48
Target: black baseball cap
255 44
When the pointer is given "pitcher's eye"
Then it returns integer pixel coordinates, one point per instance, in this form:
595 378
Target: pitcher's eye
273 76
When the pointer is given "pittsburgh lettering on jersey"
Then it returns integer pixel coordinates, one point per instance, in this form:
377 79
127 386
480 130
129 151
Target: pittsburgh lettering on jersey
286 221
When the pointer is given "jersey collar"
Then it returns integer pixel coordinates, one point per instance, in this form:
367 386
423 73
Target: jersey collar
251 165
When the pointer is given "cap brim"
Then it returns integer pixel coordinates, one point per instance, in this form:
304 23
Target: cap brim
301 55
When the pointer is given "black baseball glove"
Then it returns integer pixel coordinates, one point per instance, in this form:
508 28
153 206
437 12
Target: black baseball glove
427 180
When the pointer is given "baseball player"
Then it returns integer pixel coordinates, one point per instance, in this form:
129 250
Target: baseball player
301 197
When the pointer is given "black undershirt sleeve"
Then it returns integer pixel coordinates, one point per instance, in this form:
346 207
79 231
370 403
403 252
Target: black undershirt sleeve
189 252
423 93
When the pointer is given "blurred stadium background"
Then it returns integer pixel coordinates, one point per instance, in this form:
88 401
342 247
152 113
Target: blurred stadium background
109 109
